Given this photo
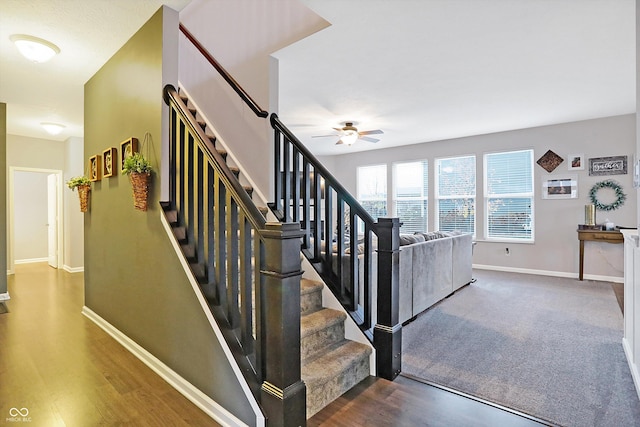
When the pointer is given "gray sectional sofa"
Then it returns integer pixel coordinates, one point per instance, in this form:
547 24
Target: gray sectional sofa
432 266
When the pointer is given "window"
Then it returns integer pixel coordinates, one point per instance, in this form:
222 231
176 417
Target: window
410 195
456 194
372 189
509 195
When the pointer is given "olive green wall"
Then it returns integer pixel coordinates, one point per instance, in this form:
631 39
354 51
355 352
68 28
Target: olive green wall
133 278
3 198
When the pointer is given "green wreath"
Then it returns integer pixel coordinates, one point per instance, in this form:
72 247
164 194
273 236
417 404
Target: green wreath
620 196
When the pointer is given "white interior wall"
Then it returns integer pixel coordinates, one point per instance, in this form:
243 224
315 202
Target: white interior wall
73 253
241 35
556 249
30 216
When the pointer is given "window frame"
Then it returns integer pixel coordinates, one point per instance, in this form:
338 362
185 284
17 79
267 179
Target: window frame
530 195
436 190
423 198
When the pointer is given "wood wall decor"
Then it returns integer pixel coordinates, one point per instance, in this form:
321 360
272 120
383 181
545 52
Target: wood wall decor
549 161
95 168
127 148
109 162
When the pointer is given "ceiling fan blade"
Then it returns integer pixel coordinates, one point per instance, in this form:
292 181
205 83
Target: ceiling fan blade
339 142
338 129
323 136
366 138
371 132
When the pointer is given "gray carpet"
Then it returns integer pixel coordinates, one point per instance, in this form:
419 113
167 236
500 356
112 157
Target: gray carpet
548 347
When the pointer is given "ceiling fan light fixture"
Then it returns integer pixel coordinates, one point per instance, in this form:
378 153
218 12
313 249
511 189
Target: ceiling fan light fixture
53 128
33 48
349 137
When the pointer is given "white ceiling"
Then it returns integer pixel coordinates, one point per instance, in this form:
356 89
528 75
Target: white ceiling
88 33
420 70
426 70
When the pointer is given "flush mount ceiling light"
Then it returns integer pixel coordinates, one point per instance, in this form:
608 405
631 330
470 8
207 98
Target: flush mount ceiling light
53 128
34 48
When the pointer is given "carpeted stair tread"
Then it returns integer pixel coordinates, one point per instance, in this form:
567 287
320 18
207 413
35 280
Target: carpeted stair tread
334 371
307 286
332 361
319 320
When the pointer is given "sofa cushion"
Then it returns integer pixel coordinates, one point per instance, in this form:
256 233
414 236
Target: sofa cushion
409 239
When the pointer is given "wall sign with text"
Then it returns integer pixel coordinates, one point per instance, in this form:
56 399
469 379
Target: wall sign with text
616 165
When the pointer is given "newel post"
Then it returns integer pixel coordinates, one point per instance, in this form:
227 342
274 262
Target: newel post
387 333
283 394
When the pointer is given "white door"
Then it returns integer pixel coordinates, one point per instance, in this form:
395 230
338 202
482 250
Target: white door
52 219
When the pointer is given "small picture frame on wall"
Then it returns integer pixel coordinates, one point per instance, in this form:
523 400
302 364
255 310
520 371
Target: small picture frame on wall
576 162
95 168
560 188
109 162
127 148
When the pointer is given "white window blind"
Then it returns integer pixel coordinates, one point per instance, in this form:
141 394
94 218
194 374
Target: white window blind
372 189
456 193
509 195
411 195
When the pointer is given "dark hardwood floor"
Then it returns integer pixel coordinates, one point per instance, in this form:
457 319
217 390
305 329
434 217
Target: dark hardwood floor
68 372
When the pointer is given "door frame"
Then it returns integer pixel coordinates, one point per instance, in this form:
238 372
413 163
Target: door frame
11 214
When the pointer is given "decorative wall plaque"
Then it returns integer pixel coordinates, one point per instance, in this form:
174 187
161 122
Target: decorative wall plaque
95 168
615 165
549 161
109 162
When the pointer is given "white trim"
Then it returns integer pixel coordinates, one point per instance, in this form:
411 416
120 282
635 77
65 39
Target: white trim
73 269
632 366
260 419
549 273
5 296
188 390
234 160
30 260
10 272
10 213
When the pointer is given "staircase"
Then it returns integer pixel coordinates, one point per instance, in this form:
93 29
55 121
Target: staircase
330 364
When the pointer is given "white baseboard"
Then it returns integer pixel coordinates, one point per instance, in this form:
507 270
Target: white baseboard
73 269
31 260
5 296
632 366
10 272
549 273
188 390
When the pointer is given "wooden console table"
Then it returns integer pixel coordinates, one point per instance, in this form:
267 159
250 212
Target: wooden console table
614 236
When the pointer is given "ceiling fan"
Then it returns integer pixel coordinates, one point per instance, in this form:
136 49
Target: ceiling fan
349 134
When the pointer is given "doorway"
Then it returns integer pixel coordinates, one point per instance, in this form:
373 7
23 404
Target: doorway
35 217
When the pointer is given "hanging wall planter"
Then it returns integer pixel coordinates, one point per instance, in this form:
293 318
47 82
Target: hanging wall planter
83 184
139 170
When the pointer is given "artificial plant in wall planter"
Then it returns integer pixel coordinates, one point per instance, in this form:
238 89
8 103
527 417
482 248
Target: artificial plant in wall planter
139 170
83 184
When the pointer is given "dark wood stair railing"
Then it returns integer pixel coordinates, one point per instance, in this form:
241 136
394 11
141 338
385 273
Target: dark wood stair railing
225 75
307 193
248 269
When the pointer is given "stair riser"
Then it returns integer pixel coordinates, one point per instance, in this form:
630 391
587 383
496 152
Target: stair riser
310 302
321 339
320 395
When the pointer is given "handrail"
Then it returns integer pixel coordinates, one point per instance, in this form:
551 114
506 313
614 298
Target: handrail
225 75
328 177
241 263
257 219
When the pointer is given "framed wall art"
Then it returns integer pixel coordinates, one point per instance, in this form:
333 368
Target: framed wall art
576 162
109 162
127 148
615 165
560 188
95 168
549 161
